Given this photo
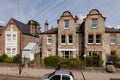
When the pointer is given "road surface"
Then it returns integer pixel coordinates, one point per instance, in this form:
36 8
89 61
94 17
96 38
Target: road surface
7 77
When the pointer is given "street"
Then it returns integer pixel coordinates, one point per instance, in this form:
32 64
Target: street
7 77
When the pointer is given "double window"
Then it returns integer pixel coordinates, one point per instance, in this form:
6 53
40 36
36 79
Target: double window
112 39
66 39
67 54
92 53
66 24
91 39
94 23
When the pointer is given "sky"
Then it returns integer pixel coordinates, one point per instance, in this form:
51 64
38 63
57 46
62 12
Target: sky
51 10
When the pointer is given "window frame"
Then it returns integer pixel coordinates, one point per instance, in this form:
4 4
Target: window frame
49 52
49 40
113 42
8 36
94 22
63 39
99 39
70 39
66 24
90 39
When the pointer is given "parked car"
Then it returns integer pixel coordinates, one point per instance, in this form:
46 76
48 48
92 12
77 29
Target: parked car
58 75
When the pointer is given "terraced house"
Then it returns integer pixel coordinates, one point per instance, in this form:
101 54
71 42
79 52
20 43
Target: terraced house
71 39
16 35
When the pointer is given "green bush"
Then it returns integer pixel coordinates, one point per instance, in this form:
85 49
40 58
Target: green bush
116 59
110 68
70 63
5 59
94 61
53 61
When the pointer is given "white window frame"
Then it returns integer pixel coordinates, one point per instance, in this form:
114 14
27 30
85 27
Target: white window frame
49 53
8 51
94 23
70 54
13 51
66 24
11 27
113 37
8 37
14 37
49 40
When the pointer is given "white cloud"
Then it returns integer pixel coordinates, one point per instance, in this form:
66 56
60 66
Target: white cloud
81 17
114 26
1 22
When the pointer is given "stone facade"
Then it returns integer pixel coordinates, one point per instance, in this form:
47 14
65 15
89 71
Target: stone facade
87 38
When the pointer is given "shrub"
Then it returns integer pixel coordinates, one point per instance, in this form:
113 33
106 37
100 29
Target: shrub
52 61
110 68
116 59
94 61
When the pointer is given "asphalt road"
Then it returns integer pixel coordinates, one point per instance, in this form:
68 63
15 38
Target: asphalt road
7 77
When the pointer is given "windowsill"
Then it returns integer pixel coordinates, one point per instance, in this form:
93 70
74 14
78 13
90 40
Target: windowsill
70 43
66 28
98 43
63 43
90 43
49 43
94 27
112 44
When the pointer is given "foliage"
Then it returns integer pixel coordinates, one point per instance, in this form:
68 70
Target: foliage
5 59
116 59
110 68
94 61
53 61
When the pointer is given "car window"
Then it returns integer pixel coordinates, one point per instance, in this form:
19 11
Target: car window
55 77
65 77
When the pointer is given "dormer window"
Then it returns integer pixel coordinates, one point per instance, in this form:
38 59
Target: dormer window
66 24
94 23
11 27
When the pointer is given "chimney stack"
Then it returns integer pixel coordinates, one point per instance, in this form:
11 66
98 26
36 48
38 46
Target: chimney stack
46 25
76 19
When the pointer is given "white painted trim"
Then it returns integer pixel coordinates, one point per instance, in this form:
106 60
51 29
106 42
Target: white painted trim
67 50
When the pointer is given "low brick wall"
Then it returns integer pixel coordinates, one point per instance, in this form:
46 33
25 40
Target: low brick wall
8 65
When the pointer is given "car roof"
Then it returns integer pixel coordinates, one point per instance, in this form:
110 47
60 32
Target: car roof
64 72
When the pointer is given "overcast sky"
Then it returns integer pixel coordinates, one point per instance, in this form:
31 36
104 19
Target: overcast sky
51 10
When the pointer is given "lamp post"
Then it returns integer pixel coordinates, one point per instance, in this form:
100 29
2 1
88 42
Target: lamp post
84 60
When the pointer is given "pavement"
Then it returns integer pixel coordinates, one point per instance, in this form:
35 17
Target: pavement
34 72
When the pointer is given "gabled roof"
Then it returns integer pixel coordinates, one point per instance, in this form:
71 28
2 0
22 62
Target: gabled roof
111 30
24 28
51 31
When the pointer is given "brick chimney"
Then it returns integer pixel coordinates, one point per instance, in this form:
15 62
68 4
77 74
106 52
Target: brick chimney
46 25
76 19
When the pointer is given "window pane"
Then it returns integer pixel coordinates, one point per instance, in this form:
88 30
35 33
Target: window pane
63 38
8 37
90 38
65 77
49 40
112 39
13 51
66 24
94 23
70 39
8 50
56 77
98 38
14 37
49 52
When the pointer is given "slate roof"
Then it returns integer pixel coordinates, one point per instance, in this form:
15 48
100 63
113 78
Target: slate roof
111 30
51 31
24 28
